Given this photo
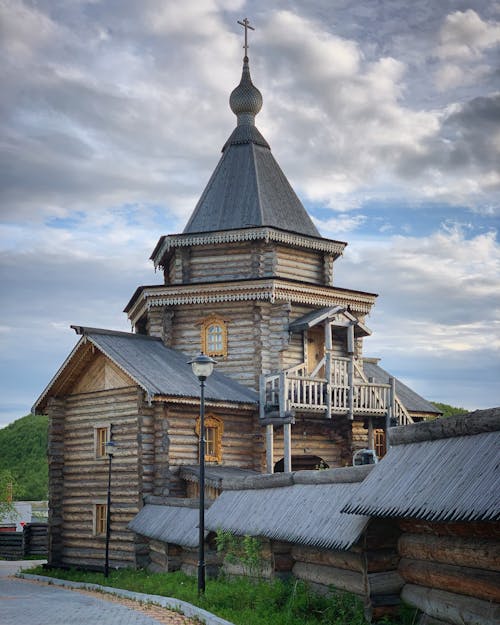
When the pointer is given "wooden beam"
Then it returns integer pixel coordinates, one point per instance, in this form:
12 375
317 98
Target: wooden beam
287 439
269 448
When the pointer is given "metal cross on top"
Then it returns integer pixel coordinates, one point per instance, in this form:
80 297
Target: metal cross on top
246 25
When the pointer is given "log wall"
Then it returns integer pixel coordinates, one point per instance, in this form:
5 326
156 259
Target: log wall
55 445
85 477
452 570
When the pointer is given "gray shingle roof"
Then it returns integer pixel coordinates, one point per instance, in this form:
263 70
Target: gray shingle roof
307 513
443 476
168 524
248 188
413 402
158 369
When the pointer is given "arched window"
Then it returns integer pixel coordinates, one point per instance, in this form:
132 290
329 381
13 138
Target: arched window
214 428
214 336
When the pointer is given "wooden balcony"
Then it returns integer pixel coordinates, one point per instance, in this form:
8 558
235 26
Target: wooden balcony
343 390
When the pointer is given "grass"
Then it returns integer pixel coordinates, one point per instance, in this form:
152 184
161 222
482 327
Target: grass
239 600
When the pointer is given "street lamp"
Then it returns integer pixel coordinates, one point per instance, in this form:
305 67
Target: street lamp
110 448
202 367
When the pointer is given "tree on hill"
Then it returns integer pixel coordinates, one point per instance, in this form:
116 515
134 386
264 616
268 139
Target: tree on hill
449 411
23 453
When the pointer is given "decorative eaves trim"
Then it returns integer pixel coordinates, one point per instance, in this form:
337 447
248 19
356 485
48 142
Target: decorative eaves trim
246 234
271 290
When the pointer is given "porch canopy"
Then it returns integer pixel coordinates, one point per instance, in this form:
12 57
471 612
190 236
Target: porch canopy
335 315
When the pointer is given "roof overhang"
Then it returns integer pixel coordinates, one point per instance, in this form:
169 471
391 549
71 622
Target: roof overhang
172 241
336 316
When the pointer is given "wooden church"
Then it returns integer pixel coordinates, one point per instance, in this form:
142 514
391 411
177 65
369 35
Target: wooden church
249 282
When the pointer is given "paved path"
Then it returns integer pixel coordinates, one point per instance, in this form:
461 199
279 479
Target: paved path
29 602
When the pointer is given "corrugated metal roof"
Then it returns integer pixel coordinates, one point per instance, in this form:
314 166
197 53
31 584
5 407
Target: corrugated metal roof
446 479
248 188
214 475
168 524
412 401
158 369
302 513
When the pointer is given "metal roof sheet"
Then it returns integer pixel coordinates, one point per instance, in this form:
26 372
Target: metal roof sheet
301 513
411 400
248 188
168 524
445 479
158 369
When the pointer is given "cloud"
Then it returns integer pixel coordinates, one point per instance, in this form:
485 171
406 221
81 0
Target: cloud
463 40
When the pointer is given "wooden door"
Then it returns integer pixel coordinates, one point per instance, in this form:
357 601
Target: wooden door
315 347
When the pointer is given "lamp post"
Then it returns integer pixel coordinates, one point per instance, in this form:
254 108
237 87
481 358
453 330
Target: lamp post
202 367
110 446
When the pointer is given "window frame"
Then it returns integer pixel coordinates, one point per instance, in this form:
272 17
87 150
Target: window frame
100 518
206 324
217 425
100 443
379 442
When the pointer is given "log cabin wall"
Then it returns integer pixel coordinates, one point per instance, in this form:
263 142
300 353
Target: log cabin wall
55 448
299 264
242 444
319 437
452 570
85 476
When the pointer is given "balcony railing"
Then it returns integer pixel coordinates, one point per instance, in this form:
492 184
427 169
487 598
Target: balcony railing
296 390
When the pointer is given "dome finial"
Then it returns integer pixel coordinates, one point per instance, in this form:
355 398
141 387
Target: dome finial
246 100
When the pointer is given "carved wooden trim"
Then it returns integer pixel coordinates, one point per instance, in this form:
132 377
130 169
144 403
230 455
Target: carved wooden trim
213 447
207 325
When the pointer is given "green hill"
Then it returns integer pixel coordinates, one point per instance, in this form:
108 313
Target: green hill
449 411
23 452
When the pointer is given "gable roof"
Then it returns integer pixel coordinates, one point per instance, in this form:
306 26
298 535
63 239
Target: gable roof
442 470
315 317
302 507
412 401
157 369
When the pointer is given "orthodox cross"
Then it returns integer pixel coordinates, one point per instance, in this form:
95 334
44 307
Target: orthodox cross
246 25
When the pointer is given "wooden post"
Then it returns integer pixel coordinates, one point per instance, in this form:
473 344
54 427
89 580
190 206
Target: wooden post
269 448
262 395
283 393
371 442
328 369
350 369
390 411
287 440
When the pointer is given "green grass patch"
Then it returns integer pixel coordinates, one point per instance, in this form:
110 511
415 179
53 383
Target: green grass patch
239 600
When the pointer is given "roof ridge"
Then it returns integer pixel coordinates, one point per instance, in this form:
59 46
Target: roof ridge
86 330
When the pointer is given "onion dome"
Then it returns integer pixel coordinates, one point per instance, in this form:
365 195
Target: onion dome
246 100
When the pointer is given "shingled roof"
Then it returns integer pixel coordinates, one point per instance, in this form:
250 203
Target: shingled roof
248 187
413 402
302 507
442 470
157 369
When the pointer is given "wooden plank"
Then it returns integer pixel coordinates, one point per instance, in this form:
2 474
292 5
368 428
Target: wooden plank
342 579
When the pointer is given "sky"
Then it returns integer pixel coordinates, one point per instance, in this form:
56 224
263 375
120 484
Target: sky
384 115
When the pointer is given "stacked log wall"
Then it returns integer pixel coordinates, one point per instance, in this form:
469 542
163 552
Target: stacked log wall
300 264
241 441
85 477
452 570
55 446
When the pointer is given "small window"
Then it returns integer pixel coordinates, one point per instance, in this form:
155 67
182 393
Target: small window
101 437
214 336
379 443
214 428
100 518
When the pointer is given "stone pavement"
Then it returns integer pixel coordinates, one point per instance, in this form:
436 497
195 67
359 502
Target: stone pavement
32 601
